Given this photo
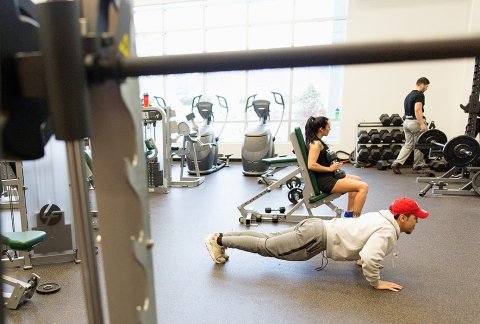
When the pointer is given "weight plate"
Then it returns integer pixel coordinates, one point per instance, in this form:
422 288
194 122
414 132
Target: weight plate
289 183
461 150
297 182
48 288
293 182
294 195
430 136
476 182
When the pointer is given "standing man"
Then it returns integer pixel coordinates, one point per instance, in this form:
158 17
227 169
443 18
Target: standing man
414 124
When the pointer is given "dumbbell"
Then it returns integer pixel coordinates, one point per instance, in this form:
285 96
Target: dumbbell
374 136
362 153
293 182
395 149
385 136
294 195
442 166
397 135
268 210
333 158
362 137
387 153
396 120
383 165
385 119
438 165
375 152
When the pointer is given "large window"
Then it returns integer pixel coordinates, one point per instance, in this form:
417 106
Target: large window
183 27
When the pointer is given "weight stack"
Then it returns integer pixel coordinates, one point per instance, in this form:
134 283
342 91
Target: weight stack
154 174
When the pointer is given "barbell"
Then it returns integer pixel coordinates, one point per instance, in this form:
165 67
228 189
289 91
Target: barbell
459 151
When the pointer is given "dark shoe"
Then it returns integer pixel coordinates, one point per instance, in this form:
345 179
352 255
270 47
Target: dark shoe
396 168
419 170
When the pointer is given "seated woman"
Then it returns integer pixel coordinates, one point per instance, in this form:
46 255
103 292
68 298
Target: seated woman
326 170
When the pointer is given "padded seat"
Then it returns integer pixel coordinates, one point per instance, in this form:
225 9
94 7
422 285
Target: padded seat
318 194
281 159
23 241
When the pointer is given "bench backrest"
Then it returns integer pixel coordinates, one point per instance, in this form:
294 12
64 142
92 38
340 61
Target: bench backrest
298 142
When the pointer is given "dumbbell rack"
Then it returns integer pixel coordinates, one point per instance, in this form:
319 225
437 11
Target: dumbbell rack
367 126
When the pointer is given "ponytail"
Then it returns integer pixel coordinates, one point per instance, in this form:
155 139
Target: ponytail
311 128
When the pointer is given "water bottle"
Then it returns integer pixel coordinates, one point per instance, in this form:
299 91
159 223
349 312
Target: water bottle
337 113
145 100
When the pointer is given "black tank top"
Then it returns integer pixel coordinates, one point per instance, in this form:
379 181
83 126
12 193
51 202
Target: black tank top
325 180
322 157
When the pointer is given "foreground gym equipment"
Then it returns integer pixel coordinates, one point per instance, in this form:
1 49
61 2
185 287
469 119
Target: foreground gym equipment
87 85
22 291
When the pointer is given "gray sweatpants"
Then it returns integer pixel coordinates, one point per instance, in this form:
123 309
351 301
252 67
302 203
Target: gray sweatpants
302 242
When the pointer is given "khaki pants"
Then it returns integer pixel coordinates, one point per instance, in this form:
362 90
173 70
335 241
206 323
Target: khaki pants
411 128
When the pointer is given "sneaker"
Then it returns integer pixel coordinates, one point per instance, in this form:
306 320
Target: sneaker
348 214
214 249
420 171
224 255
396 168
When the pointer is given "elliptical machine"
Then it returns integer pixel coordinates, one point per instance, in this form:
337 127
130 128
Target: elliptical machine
258 142
207 146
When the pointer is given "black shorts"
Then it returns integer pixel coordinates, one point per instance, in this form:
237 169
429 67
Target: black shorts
326 181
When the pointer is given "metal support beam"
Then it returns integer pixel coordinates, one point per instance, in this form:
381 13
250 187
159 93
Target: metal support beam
337 54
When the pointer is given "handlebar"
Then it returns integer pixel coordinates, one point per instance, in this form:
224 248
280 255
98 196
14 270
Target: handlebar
163 100
281 102
222 102
252 97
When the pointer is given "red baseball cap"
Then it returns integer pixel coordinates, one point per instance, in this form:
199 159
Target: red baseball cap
407 206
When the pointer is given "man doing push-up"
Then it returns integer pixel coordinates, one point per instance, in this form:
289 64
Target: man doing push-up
369 237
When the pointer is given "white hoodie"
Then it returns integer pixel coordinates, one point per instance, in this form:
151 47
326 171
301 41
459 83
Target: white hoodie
370 237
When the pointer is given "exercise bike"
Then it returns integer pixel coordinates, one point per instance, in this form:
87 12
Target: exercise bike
259 141
207 146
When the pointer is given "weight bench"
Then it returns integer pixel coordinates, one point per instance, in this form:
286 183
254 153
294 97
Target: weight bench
310 197
276 164
22 291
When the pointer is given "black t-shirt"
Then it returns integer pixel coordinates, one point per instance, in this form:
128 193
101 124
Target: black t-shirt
412 98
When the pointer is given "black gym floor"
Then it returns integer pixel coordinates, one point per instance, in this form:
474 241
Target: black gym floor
438 265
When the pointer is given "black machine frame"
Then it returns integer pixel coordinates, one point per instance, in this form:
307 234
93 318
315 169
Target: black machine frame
462 151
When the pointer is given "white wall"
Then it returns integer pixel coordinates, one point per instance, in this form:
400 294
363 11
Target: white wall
370 90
